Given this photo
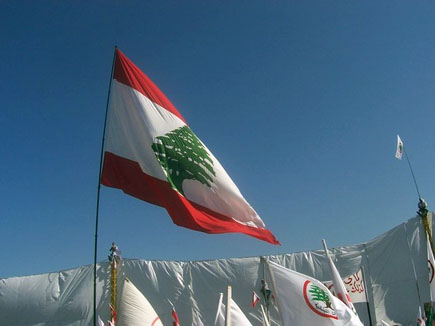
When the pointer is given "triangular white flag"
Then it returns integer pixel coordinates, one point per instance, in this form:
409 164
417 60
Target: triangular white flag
135 309
303 300
197 320
100 322
399 149
420 318
255 299
238 318
339 287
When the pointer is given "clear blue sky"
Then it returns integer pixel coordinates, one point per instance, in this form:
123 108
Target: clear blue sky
300 101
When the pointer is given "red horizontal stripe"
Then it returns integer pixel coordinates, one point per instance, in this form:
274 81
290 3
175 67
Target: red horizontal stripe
128 73
127 175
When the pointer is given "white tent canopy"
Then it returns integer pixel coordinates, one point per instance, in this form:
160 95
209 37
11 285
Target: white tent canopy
66 298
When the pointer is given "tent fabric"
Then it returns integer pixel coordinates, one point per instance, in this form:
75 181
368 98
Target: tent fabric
394 264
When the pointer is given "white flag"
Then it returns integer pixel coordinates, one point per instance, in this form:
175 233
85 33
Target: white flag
399 150
420 319
197 320
339 287
255 299
383 323
354 285
431 265
100 322
238 318
135 309
303 300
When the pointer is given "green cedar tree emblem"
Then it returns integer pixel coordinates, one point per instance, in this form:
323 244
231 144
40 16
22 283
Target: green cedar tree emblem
319 295
183 156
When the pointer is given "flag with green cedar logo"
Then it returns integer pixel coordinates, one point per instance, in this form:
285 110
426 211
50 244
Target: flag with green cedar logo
152 153
303 300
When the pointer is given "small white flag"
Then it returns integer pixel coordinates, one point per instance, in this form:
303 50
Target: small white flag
383 323
420 319
197 320
237 316
100 322
255 299
339 287
399 150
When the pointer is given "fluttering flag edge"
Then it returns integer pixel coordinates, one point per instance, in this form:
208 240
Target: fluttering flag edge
120 172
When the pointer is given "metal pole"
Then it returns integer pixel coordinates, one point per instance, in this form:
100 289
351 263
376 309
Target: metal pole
371 289
98 193
325 248
412 172
365 290
276 291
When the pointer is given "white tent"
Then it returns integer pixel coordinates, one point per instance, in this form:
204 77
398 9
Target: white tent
66 298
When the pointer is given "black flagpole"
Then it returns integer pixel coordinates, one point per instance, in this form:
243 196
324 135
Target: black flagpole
367 298
412 172
98 191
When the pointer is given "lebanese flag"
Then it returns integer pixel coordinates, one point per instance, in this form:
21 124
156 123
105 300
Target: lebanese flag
152 154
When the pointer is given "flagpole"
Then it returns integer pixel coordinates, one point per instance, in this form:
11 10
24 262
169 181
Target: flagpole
412 172
264 278
325 248
228 309
367 293
114 259
98 192
276 290
422 205
221 296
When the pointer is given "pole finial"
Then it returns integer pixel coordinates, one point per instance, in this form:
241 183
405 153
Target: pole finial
422 207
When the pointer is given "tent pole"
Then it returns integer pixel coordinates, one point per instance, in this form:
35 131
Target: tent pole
367 298
367 293
98 194
420 302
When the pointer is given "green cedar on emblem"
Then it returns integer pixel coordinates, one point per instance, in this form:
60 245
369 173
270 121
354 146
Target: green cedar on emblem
319 295
183 157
